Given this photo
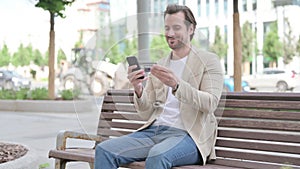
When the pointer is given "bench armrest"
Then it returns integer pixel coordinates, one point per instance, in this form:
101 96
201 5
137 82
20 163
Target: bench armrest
62 136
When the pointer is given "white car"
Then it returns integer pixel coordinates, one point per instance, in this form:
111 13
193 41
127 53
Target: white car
280 79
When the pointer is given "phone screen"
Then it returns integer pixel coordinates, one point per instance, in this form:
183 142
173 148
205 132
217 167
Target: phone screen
132 60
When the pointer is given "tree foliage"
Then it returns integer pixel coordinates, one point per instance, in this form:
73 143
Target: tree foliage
61 56
219 46
23 56
5 56
298 46
158 48
272 48
54 6
248 42
38 58
110 46
289 47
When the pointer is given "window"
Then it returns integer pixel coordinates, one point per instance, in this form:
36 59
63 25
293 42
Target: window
172 1
163 5
199 8
254 5
225 7
156 9
207 8
204 38
244 3
216 7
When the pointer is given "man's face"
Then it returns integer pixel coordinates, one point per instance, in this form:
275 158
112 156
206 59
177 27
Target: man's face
176 32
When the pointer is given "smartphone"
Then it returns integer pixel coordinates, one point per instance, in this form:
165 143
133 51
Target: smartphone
132 60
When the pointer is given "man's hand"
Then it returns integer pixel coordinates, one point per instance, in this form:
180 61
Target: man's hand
165 75
133 77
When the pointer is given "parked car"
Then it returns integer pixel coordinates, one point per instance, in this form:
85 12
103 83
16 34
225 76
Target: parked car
13 80
280 79
229 85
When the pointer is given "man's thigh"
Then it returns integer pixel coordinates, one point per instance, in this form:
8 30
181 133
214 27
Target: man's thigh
178 150
135 145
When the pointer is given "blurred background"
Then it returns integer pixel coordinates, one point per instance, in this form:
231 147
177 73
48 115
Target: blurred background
94 38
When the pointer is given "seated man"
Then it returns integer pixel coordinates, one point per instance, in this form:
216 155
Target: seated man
179 100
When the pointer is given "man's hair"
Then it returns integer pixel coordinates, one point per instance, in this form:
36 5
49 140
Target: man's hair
188 14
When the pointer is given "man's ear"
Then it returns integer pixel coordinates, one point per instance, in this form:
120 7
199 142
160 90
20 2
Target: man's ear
191 29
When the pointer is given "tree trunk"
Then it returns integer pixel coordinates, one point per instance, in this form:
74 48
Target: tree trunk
51 77
237 75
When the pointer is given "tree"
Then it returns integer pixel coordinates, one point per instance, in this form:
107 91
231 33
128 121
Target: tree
158 47
23 56
272 48
219 46
55 8
38 58
130 46
289 47
248 42
61 56
5 56
248 46
298 46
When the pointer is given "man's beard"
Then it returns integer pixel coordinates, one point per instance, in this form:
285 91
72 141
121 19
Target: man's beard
174 43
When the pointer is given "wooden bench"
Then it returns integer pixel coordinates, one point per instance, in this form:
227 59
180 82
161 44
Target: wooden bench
256 131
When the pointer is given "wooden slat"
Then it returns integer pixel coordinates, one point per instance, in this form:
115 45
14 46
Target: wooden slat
117 99
121 107
119 116
121 92
123 125
260 124
289 137
266 104
109 132
141 165
260 114
246 164
255 156
262 146
262 96
74 154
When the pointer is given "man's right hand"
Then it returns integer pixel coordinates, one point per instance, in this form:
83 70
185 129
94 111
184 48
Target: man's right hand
133 77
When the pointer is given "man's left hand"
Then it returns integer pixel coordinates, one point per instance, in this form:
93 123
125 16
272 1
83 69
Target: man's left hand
165 75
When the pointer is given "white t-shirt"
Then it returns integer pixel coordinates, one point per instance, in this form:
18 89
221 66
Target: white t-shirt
171 114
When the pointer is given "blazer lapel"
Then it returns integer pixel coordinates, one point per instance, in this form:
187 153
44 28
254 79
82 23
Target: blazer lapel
191 67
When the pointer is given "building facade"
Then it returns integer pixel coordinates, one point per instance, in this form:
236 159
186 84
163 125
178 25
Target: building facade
209 14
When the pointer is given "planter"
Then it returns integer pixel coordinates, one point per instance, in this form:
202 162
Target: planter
48 105
27 161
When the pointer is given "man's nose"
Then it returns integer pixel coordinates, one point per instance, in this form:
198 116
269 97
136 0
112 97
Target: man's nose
170 33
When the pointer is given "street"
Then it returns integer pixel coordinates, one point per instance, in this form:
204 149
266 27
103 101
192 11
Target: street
38 131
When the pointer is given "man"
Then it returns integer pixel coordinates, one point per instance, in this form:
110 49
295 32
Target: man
179 100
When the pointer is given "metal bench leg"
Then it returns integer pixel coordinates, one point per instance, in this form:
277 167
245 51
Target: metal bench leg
60 164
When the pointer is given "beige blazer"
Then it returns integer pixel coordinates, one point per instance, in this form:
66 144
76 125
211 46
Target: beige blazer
199 92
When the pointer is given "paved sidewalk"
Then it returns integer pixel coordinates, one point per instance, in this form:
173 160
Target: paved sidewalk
38 131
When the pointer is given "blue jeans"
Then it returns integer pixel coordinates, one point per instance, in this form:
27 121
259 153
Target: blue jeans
162 147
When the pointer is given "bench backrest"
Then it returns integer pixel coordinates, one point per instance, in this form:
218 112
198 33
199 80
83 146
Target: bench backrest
256 130
259 127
